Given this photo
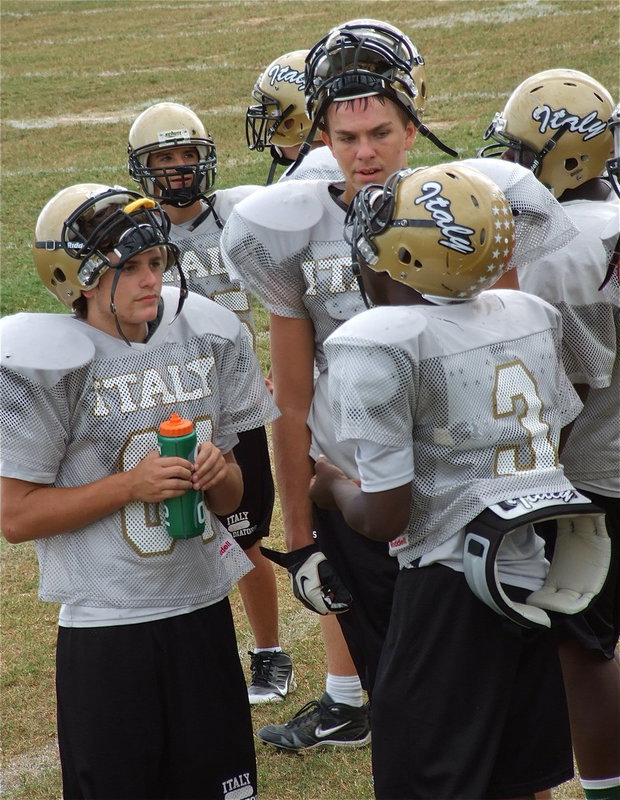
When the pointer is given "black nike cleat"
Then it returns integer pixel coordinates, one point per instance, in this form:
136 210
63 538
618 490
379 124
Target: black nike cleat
320 724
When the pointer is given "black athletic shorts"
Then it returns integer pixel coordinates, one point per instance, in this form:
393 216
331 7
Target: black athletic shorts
369 573
155 710
251 521
598 627
466 704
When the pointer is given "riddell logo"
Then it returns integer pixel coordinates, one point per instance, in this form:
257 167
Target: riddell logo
226 546
532 500
239 788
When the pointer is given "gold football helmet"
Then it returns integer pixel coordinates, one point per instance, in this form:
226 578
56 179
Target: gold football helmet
78 228
279 118
160 127
447 231
556 122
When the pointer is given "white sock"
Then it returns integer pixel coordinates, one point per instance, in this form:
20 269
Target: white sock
268 649
345 689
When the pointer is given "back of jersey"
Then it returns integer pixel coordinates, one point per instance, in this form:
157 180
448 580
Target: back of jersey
475 392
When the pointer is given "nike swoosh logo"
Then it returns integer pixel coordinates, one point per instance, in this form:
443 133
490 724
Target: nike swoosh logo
321 733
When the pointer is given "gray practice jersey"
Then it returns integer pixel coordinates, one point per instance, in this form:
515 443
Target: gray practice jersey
286 244
198 243
472 396
570 280
78 404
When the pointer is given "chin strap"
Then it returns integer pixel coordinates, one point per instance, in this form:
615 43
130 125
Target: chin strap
183 292
580 561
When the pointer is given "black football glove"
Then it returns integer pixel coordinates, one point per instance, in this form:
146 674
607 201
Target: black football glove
313 579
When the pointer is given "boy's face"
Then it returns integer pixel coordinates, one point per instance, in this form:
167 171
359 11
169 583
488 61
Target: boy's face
168 159
369 140
136 297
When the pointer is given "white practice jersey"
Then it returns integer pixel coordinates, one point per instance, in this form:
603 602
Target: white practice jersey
200 255
570 280
319 164
286 244
472 397
78 405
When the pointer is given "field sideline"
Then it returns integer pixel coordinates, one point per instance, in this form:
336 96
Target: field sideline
75 74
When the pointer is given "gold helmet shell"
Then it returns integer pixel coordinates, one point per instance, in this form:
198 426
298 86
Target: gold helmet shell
279 116
556 121
81 224
447 231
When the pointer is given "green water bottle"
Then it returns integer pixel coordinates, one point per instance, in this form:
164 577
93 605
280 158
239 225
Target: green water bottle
184 516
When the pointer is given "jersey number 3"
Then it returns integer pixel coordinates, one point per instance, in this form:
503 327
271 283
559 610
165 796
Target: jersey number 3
515 394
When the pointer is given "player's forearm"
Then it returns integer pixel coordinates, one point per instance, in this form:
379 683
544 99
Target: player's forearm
293 467
380 516
31 511
292 360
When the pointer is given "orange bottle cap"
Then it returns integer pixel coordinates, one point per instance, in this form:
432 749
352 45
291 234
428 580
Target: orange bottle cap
176 426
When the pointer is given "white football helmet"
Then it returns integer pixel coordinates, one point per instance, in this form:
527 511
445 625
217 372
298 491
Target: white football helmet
363 57
556 122
81 225
447 231
160 127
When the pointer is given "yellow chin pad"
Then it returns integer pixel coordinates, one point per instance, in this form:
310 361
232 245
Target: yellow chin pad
141 202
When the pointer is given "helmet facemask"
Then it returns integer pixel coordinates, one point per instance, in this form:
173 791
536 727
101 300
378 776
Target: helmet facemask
613 164
157 182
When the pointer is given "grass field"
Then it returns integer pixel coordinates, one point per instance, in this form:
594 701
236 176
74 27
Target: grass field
74 76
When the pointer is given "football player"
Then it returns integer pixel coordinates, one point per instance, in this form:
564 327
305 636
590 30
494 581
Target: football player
141 614
174 160
452 399
286 242
556 124
279 122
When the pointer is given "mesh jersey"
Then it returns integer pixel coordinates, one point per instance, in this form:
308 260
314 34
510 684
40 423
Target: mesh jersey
72 425
475 391
200 256
286 242
591 323
319 164
541 224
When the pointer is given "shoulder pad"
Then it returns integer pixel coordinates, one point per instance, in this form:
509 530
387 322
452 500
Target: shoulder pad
201 316
287 206
387 325
50 344
226 199
319 164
